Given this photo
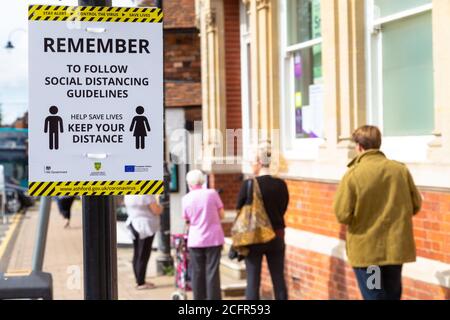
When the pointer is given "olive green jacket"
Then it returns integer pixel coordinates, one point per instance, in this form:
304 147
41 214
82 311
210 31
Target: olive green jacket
377 199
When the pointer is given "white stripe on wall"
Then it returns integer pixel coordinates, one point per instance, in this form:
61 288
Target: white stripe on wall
425 270
425 175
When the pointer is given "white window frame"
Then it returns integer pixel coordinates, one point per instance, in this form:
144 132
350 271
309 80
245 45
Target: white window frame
411 149
293 148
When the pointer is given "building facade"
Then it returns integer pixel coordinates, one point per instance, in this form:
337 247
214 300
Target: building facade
182 78
302 75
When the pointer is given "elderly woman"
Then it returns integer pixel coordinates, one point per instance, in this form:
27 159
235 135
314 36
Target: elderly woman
203 210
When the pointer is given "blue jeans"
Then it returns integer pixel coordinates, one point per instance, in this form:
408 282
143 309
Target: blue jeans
390 281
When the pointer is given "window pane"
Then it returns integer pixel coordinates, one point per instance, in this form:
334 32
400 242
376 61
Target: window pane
303 20
385 8
408 97
307 72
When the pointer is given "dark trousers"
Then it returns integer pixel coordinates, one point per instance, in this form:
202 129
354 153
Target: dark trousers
65 205
274 252
205 263
390 280
141 256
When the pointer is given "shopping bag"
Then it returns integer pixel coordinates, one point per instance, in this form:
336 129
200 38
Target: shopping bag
252 224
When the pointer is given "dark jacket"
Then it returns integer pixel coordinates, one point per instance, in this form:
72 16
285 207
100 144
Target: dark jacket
275 196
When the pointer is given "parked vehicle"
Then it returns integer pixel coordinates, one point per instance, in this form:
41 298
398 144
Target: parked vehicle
14 155
14 161
17 199
2 192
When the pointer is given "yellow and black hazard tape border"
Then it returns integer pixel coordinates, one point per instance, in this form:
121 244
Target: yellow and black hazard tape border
95 188
94 14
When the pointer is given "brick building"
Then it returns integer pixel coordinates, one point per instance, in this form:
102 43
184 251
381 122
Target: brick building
182 90
305 74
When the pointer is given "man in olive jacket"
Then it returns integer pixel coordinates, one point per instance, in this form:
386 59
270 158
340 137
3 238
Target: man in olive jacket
377 200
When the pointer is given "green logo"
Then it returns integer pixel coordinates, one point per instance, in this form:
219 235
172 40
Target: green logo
97 165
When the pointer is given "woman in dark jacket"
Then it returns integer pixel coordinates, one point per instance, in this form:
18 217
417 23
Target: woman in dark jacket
275 197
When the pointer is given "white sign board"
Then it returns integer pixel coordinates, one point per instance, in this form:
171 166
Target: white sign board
96 100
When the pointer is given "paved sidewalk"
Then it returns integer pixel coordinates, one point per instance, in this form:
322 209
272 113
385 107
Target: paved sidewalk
64 256
8 228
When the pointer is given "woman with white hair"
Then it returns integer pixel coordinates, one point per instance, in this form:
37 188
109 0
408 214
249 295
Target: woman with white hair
203 210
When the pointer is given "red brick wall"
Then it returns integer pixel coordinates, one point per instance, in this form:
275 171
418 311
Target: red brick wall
179 14
230 185
183 94
310 209
233 64
312 276
233 67
432 227
182 64
182 56
193 114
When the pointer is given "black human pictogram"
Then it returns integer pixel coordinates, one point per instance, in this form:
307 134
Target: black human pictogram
140 127
53 126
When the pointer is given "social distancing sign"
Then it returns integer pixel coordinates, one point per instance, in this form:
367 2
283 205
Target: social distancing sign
96 100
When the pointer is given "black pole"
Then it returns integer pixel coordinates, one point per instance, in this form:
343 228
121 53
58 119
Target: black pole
164 258
99 234
100 255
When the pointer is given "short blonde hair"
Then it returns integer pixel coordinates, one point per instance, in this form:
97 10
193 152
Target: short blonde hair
195 178
368 137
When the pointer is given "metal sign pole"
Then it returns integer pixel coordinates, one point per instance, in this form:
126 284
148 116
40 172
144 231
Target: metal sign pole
99 234
164 259
41 234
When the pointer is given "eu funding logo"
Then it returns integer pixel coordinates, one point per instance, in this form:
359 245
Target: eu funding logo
131 169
